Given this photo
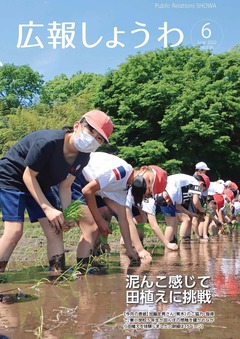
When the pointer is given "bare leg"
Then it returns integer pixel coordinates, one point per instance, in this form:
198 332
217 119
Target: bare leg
206 223
171 227
90 234
55 246
87 245
12 234
200 228
185 228
213 227
195 223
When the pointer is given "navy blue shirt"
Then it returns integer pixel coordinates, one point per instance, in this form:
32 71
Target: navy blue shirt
41 151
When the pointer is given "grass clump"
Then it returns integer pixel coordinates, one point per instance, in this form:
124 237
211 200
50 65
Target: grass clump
73 212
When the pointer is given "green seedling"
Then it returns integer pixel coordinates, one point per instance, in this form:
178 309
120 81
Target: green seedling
208 210
73 212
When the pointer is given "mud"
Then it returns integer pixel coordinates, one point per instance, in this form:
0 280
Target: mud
57 263
93 306
3 265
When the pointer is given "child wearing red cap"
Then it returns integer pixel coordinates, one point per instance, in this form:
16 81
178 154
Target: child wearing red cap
35 163
103 186
180 201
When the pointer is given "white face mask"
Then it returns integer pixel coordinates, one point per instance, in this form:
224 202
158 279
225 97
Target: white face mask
85 142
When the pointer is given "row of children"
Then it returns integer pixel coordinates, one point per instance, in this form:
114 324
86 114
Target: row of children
200 207
46 165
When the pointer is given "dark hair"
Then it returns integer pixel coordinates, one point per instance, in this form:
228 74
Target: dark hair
84 122
210 198
70 129
199 177
233 190
139 187
160 200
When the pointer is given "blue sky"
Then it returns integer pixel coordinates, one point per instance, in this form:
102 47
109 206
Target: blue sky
214 24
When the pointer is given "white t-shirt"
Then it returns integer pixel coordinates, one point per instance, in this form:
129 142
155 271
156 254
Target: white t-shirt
179 187
236 205
149 206
112 174
186 186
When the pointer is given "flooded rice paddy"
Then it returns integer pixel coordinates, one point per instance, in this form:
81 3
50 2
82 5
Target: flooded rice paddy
199 285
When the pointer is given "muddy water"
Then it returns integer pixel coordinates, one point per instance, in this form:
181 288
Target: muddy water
92 306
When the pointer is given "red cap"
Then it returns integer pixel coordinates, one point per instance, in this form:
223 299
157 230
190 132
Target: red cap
218 197
160 181
233 185
206 179
100 122
229 194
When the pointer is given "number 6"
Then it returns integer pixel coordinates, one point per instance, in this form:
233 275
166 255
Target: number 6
206 32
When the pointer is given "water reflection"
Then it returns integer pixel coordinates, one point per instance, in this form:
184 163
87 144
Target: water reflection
93 306
218 259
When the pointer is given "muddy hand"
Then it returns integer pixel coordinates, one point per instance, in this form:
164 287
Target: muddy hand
104 229
201 216
55 218
68 225
132 255
172 246
144 255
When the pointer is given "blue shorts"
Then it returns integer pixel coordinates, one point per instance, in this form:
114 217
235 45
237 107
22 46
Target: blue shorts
14 203
76 189
169 211
77 192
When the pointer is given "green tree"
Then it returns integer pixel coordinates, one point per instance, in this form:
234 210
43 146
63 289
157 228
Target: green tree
138 94
16 126
19 86
184 99
205 119
61 88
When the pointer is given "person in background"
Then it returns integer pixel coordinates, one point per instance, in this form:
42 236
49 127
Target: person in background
147 213
201 168
232 186
211 222
225 211
235 209
215 192
181 201
38 161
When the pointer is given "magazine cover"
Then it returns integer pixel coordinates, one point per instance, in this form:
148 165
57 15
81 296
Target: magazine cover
119 169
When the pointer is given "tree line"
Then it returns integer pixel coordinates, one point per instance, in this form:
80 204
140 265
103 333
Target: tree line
170 107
